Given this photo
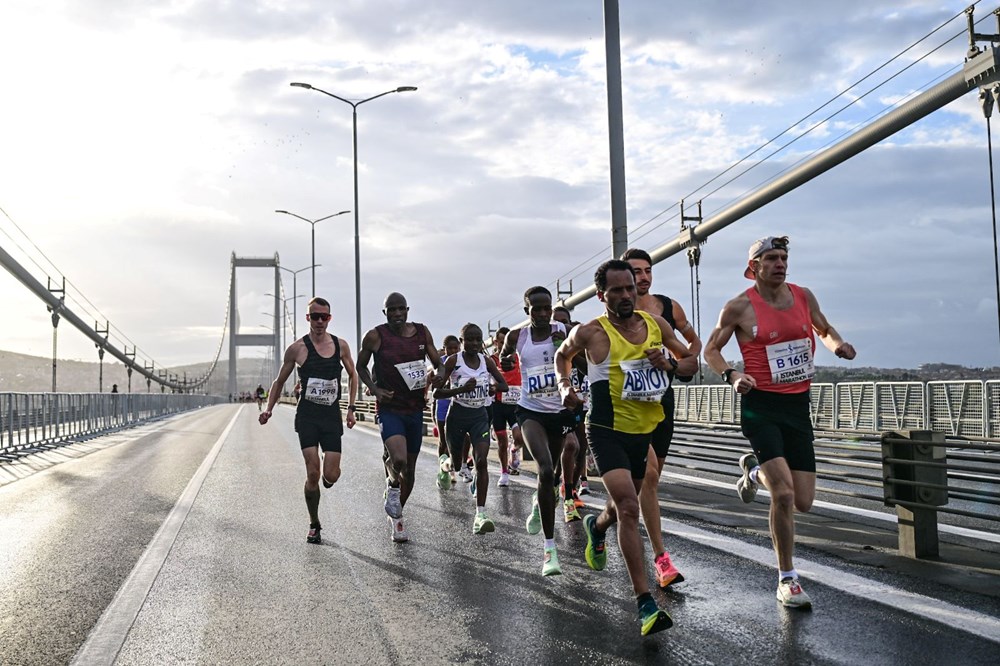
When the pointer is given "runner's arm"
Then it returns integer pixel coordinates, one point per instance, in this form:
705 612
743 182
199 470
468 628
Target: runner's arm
369 345
729 321
574 343
443 392
287 366
352 381
495 373
827 334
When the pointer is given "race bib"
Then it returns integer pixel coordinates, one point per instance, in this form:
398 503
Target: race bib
322 391
414 374
791 362
477 397
512 395
643 382
540 381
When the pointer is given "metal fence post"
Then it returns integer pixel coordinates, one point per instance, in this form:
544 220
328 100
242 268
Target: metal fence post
913 462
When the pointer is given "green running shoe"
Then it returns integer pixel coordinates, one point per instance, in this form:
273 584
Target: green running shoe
550 565
596 554
443 477
482 524
534 522
653 618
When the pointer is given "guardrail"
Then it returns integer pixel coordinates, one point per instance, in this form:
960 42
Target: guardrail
30 421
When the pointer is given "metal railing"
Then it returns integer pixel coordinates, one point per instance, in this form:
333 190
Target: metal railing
34 420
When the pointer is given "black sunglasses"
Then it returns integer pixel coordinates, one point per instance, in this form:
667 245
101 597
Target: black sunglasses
320 316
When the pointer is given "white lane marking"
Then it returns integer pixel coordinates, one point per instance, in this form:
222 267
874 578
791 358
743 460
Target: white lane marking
867 513
935 610
108 635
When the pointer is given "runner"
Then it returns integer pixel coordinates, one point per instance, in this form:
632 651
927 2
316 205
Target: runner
470 373
774 322
649 502
399 348
539 412
446 473
575 449
628 370
259 395
321 358
505 414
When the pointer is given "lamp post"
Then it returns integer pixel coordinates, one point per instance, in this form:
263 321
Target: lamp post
295 295
313 223
357 237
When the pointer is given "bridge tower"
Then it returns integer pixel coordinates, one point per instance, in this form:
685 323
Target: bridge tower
236 339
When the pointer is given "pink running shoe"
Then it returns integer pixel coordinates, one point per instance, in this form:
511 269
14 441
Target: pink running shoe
666 573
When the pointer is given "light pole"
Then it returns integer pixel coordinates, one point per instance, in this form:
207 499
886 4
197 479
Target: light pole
295 295
313 223
357 237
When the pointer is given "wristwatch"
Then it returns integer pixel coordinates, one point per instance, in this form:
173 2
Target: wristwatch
351 408
727 373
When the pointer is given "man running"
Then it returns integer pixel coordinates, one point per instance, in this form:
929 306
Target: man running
446 473
649 502
575 448
505 413
539 411
321 358
259 395
400 349
629 370
774 322
470 373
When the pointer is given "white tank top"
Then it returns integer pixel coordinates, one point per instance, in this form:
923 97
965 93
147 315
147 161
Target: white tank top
462 373
539 391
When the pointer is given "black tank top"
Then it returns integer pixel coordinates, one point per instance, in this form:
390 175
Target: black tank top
320 379
668 314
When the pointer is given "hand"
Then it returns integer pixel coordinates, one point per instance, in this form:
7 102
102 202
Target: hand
557 338
382 395
263 418
659 360
351 419
845 350
437 382
469 385
506 363
570 400
742 383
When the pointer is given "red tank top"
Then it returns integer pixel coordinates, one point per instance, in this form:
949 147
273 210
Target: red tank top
400 366
512 377
780 355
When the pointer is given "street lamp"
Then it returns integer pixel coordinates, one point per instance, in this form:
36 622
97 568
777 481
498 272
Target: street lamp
313 223
295 294
357 238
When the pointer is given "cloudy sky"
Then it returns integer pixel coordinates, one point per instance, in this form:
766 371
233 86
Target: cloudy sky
142 144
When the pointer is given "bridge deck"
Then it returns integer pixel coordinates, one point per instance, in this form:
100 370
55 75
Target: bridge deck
184 541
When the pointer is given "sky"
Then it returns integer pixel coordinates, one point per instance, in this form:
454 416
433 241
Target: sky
143 144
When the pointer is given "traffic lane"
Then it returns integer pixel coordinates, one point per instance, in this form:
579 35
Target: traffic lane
242 585
72 533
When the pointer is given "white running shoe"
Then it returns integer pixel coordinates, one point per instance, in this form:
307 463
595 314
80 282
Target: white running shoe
399 534
504 480
790 593
393 507
466 476
745 487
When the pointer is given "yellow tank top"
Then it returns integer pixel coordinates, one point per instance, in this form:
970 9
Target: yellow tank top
625 390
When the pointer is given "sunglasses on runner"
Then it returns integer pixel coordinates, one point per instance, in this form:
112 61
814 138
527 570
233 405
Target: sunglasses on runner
320 316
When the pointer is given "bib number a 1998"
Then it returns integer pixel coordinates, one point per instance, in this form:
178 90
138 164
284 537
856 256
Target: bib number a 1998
322 391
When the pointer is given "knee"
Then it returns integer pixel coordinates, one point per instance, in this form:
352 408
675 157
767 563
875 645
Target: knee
312 476
783 498
628 510
803 504
572 447
652 478
546 475
333 476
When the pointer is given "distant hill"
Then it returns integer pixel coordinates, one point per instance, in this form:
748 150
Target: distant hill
20 373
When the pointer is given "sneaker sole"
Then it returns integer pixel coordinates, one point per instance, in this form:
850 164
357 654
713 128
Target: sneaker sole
592 559
656 623
806 605
485 529
673 581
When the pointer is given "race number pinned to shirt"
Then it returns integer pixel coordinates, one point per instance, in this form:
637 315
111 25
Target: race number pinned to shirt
791 362
322 391
511 396
414 374
540 381
478 397
642 381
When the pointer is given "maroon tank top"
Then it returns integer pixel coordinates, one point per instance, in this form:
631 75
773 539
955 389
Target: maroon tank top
401 367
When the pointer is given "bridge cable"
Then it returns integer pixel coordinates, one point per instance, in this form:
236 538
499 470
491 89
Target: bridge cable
987 98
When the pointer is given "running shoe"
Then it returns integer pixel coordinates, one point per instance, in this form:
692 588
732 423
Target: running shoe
550 565
595 554
443 478
515 458
666 573
514 471
745 487
534 522
790 593
482 524
464 473
473 484
577 502
653 618
313 536
570 511
392 506
504 480
399 534
584 487
326 484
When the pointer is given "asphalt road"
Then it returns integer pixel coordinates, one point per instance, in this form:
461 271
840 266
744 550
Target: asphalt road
185 542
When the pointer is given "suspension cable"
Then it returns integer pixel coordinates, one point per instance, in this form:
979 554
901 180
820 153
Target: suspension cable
993 206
